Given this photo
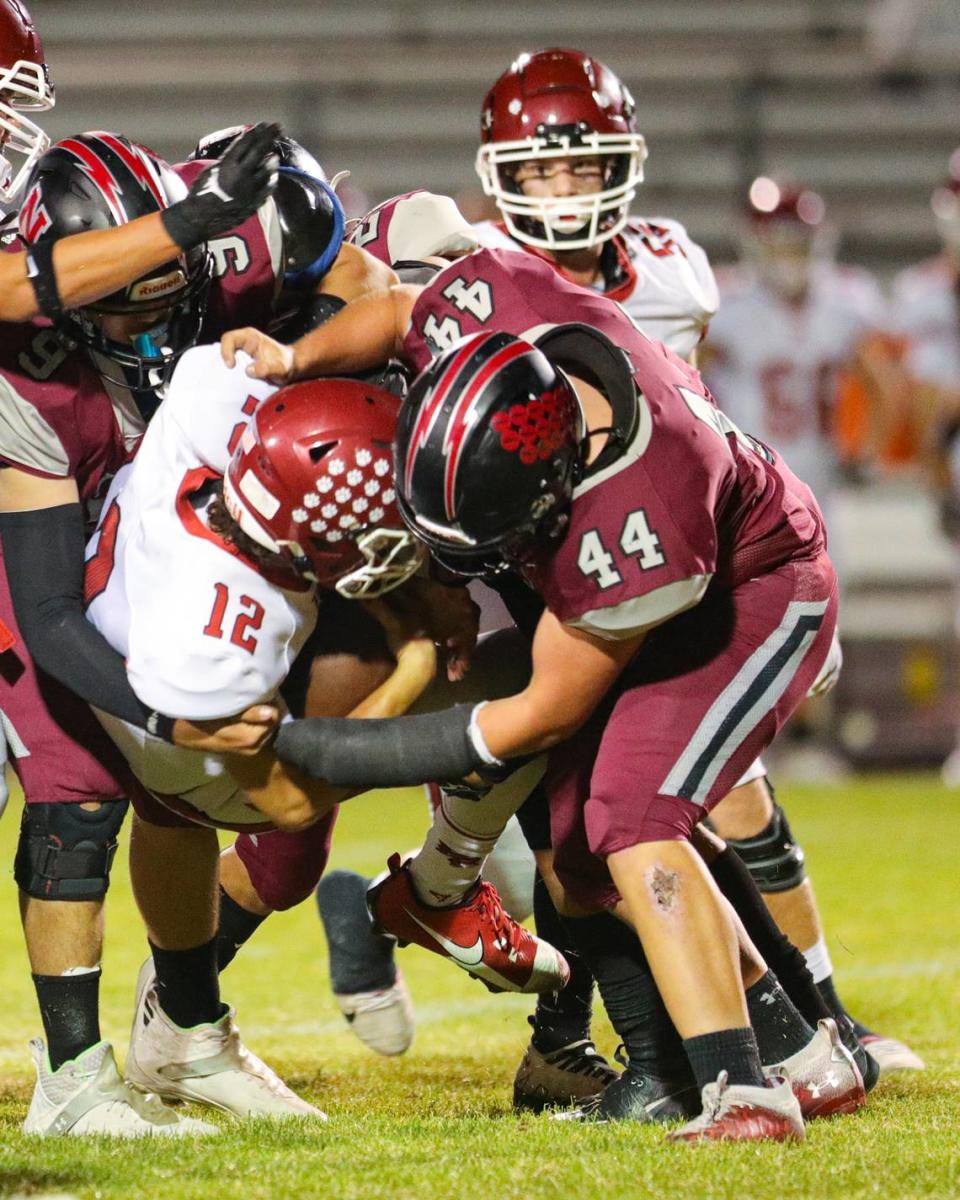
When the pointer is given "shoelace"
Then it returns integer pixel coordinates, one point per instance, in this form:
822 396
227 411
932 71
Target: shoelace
508 932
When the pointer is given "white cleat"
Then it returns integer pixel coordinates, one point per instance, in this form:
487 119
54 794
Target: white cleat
383 1020
739 1113
207 1064
825 1079
87 1096
891 1055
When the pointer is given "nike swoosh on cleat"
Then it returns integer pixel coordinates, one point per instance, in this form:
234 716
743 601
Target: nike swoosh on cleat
464 956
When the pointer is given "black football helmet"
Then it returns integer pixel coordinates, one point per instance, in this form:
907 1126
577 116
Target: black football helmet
99 181
310 214
487 454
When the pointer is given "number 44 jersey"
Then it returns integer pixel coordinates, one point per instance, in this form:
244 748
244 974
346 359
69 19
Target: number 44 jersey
690 499
205 631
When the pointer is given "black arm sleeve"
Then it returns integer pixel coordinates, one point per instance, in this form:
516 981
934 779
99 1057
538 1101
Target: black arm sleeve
43 550
393 752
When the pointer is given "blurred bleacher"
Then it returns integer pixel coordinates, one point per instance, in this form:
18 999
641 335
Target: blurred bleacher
391 90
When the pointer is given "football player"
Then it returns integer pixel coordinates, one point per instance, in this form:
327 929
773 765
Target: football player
79 270
70 419
529 422
527 294
204 574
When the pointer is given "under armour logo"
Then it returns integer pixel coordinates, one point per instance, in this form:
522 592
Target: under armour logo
212 186
768 998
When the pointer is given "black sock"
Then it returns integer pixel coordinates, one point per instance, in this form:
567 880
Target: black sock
838 1010
235 926
361 960
188 986
778 952
780 1029
630 995
70 1011
561 1017
731 1050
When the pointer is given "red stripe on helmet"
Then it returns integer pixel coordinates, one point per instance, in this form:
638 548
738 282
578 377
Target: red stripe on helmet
427 417
98 173
137 163
462 417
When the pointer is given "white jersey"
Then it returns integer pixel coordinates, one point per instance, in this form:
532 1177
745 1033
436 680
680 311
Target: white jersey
773 366
926 309
657 273
205 633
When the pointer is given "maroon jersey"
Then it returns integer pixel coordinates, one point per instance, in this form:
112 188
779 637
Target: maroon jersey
246 263
689 500
413 226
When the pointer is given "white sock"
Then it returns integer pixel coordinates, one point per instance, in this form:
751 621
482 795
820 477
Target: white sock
818 961
463 833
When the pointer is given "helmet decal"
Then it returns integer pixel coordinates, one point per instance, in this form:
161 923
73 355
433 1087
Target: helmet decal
136 162
99 174
533 430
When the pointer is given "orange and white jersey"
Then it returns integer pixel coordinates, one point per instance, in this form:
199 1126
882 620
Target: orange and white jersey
773 366
660 276
926 310
205 631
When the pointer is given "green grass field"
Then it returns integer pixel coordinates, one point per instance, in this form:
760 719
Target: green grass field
437 1125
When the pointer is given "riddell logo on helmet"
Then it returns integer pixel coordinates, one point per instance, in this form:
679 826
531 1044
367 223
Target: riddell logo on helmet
149 289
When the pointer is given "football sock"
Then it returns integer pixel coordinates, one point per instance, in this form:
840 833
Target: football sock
235 926
817 958
828 990
360 959
780 1029
561 1017
188 986
731 1050
70 1011
778 952
614 954
465 829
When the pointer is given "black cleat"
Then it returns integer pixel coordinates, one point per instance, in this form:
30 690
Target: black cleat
573 1074
639 1096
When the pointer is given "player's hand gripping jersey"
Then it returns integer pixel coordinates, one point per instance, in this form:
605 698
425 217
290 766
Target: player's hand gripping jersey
205 632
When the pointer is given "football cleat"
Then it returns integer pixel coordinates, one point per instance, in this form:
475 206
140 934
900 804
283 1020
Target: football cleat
739 1113
476 934
866 1065
383 1019
573 1074
891 1055
636 1095
207 1064
87 1096
823 1075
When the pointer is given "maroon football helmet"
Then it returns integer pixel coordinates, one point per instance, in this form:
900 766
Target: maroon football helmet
785 233
312 480
24 86
945 203
560 104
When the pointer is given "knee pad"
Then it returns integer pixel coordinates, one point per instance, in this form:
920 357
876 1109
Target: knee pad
772 856
65 852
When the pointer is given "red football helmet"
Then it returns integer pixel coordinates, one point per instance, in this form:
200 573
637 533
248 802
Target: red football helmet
785 233
945 203
24 85
560 104
312 480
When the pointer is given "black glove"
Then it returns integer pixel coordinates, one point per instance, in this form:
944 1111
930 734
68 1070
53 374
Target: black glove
227 192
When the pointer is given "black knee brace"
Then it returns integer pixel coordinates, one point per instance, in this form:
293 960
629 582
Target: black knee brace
65 851
772 856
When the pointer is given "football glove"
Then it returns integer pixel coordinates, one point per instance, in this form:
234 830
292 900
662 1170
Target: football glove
228 191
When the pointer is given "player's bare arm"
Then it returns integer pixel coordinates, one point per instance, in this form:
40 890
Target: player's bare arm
77 270
365 334
23 493
356 273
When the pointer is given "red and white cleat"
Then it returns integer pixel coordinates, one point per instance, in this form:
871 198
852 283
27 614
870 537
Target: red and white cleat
477 934
825 1079
891 1055
735 1113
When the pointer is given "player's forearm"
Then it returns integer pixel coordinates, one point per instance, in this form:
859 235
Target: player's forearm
356 273
415 670
87 266
365 334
